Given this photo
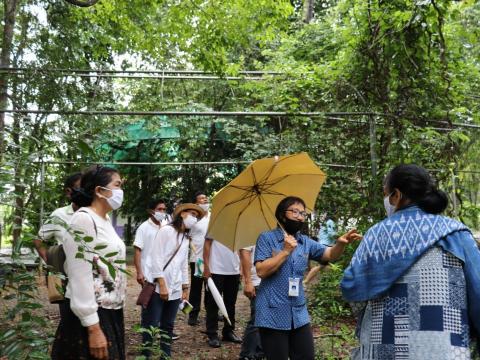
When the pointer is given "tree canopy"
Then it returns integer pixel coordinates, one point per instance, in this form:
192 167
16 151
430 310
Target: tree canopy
398 76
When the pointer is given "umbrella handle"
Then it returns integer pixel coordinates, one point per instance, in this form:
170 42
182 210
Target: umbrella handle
281 227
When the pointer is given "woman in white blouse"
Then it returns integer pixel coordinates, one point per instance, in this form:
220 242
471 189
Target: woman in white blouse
167 265
93 325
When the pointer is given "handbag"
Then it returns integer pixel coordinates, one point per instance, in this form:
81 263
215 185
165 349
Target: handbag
149 288
55 284
146 294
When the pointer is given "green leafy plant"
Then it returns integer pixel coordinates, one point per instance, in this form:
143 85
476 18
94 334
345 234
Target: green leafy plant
157 335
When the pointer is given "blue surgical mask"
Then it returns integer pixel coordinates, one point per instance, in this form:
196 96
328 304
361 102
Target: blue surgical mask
389 208
159 216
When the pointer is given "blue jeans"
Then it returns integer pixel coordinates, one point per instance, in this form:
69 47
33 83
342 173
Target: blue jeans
160 314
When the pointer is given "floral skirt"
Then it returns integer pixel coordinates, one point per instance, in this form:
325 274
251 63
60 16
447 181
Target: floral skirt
71 338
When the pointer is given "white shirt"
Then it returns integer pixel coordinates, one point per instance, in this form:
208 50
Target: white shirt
253 270
223 261
90 287
197 233
176 274
144 237
56 227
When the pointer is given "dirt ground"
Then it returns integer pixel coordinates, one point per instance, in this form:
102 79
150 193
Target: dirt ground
192 343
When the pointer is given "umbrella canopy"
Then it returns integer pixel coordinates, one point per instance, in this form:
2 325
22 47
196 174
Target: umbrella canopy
246 206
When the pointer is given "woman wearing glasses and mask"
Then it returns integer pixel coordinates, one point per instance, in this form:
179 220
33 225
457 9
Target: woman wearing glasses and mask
168 269
281 259
93 326
414 281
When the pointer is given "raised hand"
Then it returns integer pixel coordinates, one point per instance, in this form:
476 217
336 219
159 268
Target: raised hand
350 237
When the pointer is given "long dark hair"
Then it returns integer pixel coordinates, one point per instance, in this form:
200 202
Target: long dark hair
284 205
71 180
92 177
415 183
177 223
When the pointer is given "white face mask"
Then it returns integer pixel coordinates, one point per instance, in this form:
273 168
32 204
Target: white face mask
189 221
115 201
389 208
204 207
159 216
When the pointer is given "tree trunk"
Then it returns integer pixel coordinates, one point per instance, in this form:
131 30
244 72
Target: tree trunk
10 11
19 186
308 6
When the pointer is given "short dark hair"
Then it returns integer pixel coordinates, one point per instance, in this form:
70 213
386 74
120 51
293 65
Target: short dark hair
71 180
197 194
415 183
285 204
153 203
96 175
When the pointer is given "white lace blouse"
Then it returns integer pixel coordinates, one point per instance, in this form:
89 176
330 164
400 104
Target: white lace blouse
91 286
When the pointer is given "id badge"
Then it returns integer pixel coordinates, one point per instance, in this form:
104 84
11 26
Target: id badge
293 286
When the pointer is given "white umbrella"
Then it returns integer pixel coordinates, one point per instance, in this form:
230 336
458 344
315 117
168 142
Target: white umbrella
218 299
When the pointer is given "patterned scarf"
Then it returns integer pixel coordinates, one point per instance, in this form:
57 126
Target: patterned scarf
390 247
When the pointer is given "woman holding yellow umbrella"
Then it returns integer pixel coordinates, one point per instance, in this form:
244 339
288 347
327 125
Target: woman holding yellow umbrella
281 258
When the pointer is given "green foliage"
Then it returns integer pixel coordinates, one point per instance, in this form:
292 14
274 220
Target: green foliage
412 65
24 332
154 347
332 315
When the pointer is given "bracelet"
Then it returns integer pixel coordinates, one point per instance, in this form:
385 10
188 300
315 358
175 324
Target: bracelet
185 287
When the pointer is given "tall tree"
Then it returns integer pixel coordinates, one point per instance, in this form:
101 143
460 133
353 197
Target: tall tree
9 18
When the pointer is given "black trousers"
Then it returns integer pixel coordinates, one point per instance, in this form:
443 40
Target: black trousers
251 345
227 285
195 297
294 344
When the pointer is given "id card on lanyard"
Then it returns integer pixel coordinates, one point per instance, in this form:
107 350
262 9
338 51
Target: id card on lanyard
293 286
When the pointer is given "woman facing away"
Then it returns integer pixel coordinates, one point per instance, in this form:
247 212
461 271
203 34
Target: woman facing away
414 281
92 326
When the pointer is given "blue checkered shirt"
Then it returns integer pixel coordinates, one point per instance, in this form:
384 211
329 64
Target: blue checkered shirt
274 308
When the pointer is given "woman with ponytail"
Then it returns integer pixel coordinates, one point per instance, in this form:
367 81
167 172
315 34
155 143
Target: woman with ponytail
414 281
92 326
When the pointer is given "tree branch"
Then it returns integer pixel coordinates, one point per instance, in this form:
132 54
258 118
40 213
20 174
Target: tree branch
82 3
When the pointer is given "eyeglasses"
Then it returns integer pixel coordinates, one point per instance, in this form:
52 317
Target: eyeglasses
296 213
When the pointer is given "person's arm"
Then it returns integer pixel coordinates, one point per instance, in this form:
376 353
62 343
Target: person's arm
311 274
161 248
45 234
206 257
137 261
267 267
41 249
334 252
138 245
185 278
246 263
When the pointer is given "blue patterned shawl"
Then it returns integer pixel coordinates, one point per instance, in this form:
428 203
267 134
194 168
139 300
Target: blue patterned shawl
390 247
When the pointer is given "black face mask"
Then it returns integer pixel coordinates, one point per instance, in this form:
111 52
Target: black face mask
292 226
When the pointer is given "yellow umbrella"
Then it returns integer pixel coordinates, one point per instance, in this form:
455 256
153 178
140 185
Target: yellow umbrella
246 206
